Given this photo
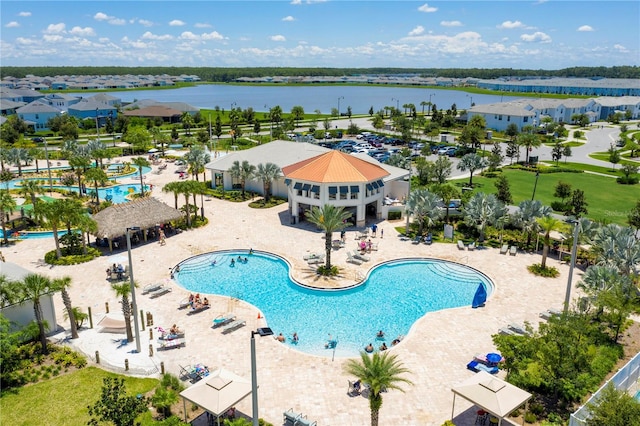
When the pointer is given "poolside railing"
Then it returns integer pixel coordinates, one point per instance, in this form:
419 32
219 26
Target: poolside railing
622 381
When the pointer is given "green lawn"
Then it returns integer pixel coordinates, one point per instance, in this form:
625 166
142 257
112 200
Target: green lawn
62 400
608 201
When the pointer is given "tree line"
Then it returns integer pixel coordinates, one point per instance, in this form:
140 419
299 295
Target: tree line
225 75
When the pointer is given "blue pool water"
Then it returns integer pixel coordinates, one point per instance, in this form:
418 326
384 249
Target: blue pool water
36 234
393 297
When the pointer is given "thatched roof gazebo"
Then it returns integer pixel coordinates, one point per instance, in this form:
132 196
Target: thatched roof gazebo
144 213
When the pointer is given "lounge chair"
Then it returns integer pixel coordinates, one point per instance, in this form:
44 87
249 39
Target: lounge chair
352 259
163 289
513 250
460 245
471 246
549 313
374 247
353 391
504 249
223 319
290 417
198 309
482 358
234 325
360 256
518 328
194 373
428 239
417 239
184 303
506 331
171 344
476 366
151 287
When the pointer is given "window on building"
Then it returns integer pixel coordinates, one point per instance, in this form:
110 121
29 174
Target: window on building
344 190
500 117
525 120
508 118
355 190
315 190
333 190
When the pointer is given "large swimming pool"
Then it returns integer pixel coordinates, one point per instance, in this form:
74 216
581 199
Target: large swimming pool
393 297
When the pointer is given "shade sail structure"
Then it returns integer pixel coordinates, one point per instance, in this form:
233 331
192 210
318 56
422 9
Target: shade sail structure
492 394
219 391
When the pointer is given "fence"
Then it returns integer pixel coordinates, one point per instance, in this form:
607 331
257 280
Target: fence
623 380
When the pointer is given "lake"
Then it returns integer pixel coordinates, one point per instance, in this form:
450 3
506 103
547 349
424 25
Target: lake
311 98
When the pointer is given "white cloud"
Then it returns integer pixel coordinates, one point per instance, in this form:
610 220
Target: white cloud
451 23
188 35
101 17
296 2
55 28
145 23
27 41
416 31
213 35
509 25
277 38
150 36
85 32
538 36
288 18
110 19
427 9
620 48
52 38
176 23
24 14
12 24
202 25
586 28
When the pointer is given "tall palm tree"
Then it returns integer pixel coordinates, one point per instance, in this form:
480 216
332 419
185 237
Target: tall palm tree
267 173
471 162
97 151
447 192
79 164
88 227
548 224
423 204
242 171
123 290
54 213
63 284
17 156
7 203
98 177
30 188
480 211
186 190
528 140
381 372
33 287
330 219
187 122
141 162
197 158
175 188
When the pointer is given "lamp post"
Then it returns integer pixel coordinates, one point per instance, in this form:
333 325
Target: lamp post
133 287
535 185
46 156
97 126
406 203
270 124
113 130
471 99
574 252
339 97
264 331
397 103
430 95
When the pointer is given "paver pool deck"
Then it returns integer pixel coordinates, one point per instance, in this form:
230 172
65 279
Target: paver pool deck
435 351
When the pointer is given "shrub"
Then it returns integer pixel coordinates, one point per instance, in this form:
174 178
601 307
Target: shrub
630 180
260 204
546 272
331 272
559 206
395 215
530 418
536 408
51 258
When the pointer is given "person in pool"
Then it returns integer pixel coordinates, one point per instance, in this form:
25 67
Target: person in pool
369 348
233 263
380 334
250 251
295 337
383 346
280 338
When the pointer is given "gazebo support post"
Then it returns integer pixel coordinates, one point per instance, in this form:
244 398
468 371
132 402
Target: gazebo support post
453 407
184 407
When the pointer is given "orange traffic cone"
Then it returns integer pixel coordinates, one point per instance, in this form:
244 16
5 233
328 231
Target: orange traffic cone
258 315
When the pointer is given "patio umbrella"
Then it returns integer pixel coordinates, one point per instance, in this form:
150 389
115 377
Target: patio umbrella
480 297
152 150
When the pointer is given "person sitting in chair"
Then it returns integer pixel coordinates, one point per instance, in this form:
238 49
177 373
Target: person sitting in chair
356 386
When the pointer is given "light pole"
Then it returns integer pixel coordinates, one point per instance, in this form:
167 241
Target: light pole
46 156
471 99
535 185
339 97
97 126
264 331
270 124
406 203
133 287
397 103
430 95
574 252
113 130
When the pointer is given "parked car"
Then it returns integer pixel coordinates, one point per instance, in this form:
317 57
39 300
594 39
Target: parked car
436 148
38 139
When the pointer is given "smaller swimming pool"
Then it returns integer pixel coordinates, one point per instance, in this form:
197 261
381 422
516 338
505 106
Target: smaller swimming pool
28 235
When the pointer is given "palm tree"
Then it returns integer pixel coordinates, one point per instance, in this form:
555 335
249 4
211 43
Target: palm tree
88 227
17 156
186 188
548 224
79 164
33 287
197 158
381 372
242 171
63 284
123 290
97 151
31 188
480 211
187 122
528 140
471 162
141 162
175 188
53 213
423 204
7 203
267 173
528 213
330 219
98 177
447 192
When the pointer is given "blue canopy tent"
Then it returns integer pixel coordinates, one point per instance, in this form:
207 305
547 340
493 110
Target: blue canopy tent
480 297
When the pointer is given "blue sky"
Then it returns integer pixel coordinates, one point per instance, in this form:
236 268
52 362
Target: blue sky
536 34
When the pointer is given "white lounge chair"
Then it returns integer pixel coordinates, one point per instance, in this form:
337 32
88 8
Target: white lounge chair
504 249
518 328
352 259
506 331
163 289
471 246
460 245
151 287
223 319
513 250
234 325
360 256
171 344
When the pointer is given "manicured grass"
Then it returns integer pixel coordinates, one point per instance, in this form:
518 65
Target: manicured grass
608 201
590 168
604 156
62 400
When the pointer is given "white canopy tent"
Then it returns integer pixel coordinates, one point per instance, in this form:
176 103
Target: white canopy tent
492 394
219 391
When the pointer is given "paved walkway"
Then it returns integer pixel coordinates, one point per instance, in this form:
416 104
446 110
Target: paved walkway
435 351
